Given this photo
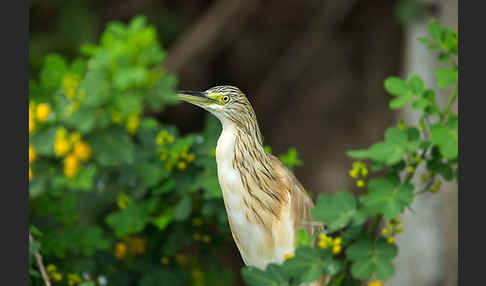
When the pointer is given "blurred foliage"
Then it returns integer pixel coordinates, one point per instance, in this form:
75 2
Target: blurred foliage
408 10
116 197
355 248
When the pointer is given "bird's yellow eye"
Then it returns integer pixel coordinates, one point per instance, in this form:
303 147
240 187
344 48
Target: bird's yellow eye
225 99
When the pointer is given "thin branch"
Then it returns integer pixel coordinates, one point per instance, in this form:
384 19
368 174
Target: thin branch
40 264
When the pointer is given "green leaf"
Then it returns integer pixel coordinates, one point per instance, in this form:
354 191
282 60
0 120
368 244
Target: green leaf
163 276
132 219
163 220
256 277
446 77
43 141
420 104
395 136
302 238
53 71
291 159
435 30
387 197
371 258
363 269
416 84
446 137
385 152
383 269
400 101
183 209
306 265
396 86
112 147
84 180
150 173
397 143
336 211
360 250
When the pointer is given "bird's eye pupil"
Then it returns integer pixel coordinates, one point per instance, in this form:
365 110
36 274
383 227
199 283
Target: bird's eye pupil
225 99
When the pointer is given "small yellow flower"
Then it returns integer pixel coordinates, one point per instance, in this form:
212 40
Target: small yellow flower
418 159
289 255
169 167
31 175
31 125
116 117
353 173
137 245
61 147
337 241
182 259
57 277
165 260
82 151
197 222
163 156
423 177
133 122
386 232
402 125
336 249
71 162
73 279
42 112
71 165
410 169
364 172
399 228
74 137
32 154
190 157
122 200
206 238
323 244
70 82
121 250
324 241
69 172
31 111
51 268
391 240
375 283
181 165
197 276
360 183
358 165
161 136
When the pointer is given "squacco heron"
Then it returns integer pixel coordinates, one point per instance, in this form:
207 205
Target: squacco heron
266 205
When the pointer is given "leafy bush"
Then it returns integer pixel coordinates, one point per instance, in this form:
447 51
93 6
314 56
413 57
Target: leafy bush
355 247
117 197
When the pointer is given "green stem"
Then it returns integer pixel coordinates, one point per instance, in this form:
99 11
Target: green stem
447 109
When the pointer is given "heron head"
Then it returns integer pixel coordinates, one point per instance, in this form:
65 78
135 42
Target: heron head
225 102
